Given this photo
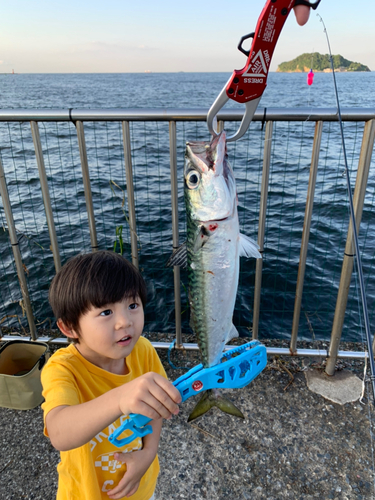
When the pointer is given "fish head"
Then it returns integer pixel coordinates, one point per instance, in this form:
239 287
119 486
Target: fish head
210 188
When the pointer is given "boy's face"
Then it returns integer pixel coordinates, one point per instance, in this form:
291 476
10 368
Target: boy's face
109 334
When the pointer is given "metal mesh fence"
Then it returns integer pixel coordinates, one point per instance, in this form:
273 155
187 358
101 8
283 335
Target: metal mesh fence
289 175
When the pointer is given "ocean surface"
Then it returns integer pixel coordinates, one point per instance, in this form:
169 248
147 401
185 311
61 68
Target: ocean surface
290 163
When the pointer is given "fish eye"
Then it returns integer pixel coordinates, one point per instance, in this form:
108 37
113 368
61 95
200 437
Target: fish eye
193 179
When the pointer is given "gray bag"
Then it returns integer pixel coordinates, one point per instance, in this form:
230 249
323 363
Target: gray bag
20 366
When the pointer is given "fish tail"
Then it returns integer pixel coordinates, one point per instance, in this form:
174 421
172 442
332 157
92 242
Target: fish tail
212 398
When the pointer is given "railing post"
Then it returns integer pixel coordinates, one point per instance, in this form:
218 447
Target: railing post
174 190
17 253
262 225
347 265
130 192
306 233
86 184
45 194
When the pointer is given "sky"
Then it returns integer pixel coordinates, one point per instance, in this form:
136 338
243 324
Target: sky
113 36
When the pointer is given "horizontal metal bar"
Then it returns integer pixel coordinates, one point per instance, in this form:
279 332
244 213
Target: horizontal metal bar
280 351
176 114
38 115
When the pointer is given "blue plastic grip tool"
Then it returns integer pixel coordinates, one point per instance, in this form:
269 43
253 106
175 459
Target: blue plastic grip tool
236 369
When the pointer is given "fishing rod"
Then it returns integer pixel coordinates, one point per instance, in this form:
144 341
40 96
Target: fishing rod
354 224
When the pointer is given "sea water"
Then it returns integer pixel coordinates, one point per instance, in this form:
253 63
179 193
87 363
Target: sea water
286 203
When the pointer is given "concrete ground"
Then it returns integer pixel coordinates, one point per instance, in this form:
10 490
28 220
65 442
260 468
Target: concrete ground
293 444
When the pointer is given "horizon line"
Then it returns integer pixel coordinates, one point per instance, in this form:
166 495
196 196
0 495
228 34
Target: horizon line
153 72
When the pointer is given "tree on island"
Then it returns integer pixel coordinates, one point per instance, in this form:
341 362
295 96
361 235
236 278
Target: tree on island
320 62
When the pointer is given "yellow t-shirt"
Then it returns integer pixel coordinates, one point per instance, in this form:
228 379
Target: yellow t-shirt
88 472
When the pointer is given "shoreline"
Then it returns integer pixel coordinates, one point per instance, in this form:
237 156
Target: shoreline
327 70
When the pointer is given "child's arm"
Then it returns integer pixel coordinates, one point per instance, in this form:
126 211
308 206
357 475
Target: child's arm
137 463
150 395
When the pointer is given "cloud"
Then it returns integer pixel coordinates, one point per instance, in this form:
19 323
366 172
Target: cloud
1 62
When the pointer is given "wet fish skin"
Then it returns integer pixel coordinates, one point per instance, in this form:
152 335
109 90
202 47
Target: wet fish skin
214 246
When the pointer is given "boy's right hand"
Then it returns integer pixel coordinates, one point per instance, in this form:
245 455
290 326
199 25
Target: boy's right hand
150 395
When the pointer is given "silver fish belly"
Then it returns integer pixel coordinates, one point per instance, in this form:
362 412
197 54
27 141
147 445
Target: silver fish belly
213 273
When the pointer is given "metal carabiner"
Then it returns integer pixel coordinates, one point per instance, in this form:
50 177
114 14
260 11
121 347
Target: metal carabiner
219 102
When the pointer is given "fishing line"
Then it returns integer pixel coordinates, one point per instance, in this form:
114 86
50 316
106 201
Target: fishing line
309 105
364 374
354 225
171 347
356 245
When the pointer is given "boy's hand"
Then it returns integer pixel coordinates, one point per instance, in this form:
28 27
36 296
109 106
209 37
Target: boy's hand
137 464
151 395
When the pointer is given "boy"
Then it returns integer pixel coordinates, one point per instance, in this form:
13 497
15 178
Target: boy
108 371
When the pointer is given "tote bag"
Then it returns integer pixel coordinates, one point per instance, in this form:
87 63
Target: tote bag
20 365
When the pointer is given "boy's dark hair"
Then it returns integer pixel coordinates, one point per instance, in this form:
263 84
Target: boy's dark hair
93 280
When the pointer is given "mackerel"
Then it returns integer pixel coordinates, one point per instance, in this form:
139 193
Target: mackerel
212 254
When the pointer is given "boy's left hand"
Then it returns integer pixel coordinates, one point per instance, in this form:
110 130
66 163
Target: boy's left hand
137 463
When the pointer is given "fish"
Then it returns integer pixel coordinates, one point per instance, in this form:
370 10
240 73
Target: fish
212 254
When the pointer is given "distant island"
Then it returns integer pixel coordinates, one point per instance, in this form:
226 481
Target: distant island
320 63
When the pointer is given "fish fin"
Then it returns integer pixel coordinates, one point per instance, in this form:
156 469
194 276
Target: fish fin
178 257
248 247
231 334
213 398
202 238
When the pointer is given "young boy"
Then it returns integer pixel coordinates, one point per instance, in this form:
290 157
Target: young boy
108 371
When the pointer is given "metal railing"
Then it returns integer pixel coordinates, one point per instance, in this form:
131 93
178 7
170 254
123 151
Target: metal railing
173 116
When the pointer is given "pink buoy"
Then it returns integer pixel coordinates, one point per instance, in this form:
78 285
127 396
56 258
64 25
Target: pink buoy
310 77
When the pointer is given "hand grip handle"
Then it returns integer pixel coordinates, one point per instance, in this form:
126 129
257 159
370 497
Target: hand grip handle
249 83
136 424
